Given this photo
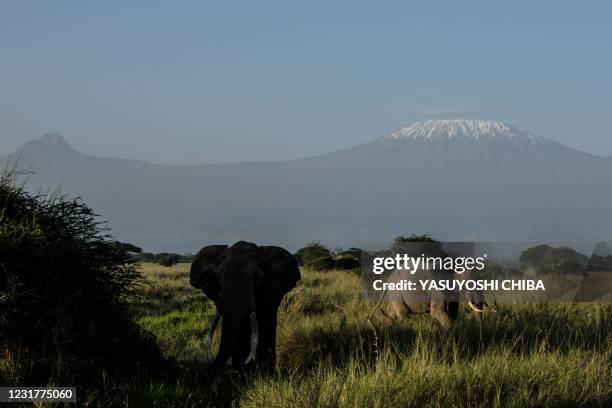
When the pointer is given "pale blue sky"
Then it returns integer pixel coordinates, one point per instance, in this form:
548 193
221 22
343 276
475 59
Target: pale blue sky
200 82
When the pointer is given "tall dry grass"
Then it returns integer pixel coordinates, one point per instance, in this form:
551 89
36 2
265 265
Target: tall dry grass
524 355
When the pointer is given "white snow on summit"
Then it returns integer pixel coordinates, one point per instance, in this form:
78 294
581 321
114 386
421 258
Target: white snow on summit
463 130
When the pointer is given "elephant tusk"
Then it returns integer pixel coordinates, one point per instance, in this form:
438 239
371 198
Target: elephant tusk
474 307
211 333
254 337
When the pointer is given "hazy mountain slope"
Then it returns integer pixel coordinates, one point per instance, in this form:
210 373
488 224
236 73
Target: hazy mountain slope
459 180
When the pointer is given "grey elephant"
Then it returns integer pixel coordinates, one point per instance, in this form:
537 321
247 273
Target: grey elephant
247 284
443 306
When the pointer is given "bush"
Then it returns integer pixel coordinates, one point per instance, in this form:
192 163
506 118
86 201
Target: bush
545 259
321 264
416 245
315 256
346 261
169 260
63 294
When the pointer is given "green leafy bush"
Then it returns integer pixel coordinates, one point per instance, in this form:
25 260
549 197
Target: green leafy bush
315 256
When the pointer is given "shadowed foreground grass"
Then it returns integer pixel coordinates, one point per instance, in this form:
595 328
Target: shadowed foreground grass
524 355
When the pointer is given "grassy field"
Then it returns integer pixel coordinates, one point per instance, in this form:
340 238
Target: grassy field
524 355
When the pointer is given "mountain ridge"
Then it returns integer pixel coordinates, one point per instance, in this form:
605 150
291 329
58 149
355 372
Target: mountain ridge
456 190
417 131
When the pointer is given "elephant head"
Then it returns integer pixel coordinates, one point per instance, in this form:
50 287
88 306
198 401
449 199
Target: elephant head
247 284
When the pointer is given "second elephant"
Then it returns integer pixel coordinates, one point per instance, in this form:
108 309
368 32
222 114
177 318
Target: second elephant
442 305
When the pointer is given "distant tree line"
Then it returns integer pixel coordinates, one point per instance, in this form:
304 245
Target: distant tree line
162 258
316 256
541 259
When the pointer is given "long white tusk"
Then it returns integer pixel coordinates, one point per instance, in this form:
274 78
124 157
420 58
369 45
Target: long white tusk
254 337
474 307
211 333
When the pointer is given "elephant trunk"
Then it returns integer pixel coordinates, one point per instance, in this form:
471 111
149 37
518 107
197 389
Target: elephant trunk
254 337
230 328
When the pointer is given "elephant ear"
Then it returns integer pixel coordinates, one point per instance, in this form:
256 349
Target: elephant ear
281 270
204 273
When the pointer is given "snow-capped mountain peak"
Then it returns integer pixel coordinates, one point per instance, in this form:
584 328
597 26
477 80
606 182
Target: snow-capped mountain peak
468 130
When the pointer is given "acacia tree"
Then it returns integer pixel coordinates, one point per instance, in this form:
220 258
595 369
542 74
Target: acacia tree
64 285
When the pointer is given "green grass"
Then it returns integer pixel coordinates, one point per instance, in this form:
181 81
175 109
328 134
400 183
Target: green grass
525 355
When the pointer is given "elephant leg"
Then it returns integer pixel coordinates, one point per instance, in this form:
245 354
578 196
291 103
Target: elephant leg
452 308
439 313
398 310
266 349
243 344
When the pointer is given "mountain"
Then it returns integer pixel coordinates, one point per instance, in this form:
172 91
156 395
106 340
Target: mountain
471 142
456 179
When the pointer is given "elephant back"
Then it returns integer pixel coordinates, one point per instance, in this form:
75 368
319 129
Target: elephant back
204 273
281 269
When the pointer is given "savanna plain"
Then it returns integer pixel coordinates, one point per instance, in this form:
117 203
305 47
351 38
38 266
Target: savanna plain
329 355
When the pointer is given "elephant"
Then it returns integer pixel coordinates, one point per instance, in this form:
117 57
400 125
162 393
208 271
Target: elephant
247 283
443 306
